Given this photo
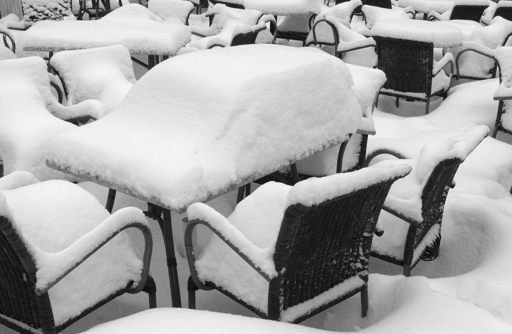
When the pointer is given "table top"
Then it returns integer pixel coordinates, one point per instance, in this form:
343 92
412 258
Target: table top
442 35
133 26
176 142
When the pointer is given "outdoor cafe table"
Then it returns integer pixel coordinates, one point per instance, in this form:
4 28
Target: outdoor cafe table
442 35
133 26
201 124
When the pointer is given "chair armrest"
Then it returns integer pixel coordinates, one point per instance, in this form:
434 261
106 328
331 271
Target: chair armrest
55 266
229 234
473 47
356 45
372 155
438 66
8 39
434 16
271 20
410 11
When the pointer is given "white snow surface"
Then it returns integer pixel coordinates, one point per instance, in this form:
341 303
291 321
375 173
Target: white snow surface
60 223
103 74
375 14
174 10
285 7
209 144
133 26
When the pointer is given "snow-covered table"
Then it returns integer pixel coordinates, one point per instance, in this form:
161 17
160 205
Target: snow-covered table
134 26
201 124
442 35
426 6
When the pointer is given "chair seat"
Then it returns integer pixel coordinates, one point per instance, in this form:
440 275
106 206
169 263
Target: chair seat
220 264
52 215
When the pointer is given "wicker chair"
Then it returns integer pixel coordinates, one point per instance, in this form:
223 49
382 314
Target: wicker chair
321 244
503 121
55 269
459 12
475 60
411 71
502 9
431 180
34 11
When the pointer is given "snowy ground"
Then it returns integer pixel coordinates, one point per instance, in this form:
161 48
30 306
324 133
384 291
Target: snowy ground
466 290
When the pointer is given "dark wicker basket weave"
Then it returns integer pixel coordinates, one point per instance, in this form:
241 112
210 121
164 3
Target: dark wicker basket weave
378 3
467 12
504 12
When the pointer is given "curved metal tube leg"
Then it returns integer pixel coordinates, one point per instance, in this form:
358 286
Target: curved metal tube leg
171 258
110 200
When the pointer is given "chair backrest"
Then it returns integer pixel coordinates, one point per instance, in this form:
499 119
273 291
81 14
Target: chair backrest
378 3
503 11
406 63
332 238
39 10
467 12
18 299
245 38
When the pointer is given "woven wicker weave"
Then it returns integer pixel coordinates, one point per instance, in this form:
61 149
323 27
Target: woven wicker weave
22 308
318 247
408 67
378 3
466 12
504 12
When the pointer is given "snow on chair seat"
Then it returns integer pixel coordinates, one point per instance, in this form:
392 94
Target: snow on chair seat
28 113
288 253
416 203
227 137
63 255
102 74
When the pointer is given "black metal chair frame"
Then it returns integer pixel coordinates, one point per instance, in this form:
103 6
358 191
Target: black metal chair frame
498 126
8 41
29 306
411 74
433 198
348 222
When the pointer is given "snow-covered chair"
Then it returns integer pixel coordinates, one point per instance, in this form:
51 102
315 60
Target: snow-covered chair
349 45
259 254
373 14
504 92
462 10
28 111
230 27
502 9
472 60
171 10
63 255
418 200
41 10
101 74
411 71
8 39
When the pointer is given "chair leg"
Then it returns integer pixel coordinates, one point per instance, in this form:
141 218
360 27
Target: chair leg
427 107
240 195
364 300
191 288
247 189
407 269
150 289
397 102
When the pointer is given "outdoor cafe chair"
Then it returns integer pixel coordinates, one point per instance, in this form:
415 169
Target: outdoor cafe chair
411 71
40 10
502 9
417 201
230 27
102 74
63 255
373 14
472 60
288 253
503 94
462 10
172 10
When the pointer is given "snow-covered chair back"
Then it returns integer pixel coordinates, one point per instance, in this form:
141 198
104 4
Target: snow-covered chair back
471 10
373 14
62 255
504 92
40 10
101 74
502 9
411 71
419 198
172 9
327 223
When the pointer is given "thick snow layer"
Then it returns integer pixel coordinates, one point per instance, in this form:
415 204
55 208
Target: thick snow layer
133 26
181 149
104 74
285 7
55 219
438 33
174 10
374 14
40 10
